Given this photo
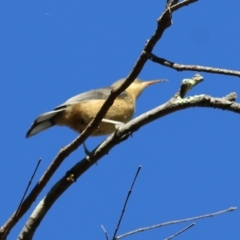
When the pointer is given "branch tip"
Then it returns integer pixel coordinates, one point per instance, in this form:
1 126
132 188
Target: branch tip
232 209
188 84
232 97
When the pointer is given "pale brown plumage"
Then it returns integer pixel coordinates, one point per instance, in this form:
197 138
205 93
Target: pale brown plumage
79 110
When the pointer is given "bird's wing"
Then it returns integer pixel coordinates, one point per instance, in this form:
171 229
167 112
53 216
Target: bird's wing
102 93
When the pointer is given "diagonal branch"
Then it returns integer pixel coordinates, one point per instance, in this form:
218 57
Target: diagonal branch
173 105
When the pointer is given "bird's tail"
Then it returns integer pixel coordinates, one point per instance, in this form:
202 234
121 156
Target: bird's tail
42 122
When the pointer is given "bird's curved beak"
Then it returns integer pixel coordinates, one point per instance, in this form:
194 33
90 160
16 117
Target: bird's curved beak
148 83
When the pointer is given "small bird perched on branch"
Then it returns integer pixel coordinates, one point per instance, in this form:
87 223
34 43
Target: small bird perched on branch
79 110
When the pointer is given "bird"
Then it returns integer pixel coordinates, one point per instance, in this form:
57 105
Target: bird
78 111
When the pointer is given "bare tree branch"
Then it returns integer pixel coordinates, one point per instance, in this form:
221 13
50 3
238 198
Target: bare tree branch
181 67
126 201
170 3
20 204
187 85
173 105
105 232
183 230
183 3
176 222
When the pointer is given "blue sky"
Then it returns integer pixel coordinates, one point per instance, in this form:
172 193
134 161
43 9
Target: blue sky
53 50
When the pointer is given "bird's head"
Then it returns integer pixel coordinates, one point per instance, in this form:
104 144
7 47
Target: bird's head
137 86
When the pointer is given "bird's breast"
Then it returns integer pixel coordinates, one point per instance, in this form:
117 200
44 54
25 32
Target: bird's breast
78 116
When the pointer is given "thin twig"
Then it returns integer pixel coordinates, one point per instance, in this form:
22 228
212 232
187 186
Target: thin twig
181 4
182 67
126 201
183 230
176 222
105 232
23 197
170 3
29 184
